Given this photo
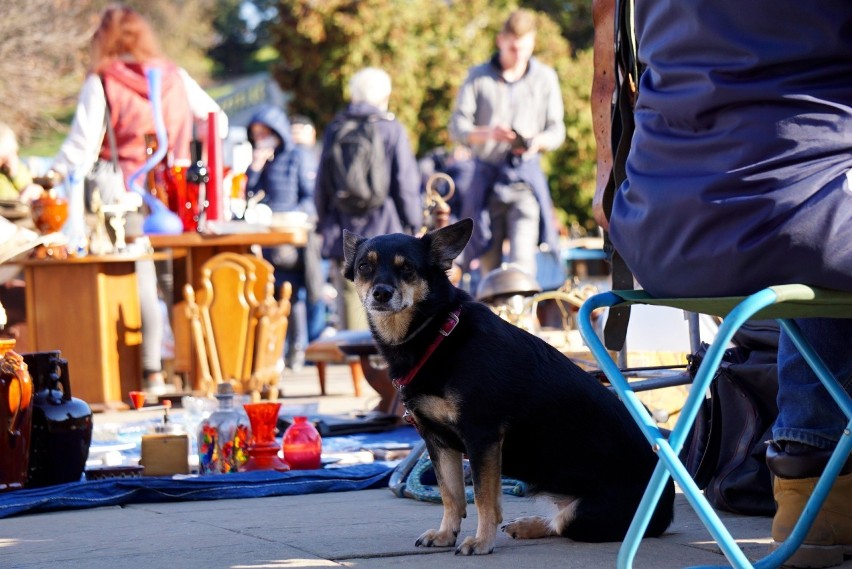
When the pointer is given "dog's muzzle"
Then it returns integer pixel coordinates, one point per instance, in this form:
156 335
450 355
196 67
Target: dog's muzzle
381 294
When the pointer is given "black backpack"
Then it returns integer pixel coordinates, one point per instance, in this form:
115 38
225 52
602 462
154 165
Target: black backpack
357 172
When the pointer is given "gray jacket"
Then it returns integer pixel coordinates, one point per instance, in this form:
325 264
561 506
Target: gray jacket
532 105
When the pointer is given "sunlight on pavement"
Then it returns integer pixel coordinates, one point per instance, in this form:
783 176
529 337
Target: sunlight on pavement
289 563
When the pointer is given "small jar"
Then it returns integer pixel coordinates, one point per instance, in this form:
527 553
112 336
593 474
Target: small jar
302 445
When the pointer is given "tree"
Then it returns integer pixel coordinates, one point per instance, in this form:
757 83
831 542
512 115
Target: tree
44 53
574 18
427 47
234 43
39 59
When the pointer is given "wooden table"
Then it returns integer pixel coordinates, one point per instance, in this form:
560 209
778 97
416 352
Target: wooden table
88 308
189 252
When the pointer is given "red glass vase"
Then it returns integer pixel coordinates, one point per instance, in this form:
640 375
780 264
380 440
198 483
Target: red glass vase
262 448
302 445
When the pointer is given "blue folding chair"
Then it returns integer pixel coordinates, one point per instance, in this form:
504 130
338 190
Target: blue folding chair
783 303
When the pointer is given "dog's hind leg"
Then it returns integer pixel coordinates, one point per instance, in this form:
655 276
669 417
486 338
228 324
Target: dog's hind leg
605 515
487 493
450 473
534 527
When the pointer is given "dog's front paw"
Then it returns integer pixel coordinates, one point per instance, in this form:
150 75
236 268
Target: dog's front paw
531 527
475 546
436 538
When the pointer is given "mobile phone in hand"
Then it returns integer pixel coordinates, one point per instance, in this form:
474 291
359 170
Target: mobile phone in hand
520 141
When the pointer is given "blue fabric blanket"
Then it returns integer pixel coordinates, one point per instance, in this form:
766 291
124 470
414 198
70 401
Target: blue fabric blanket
111 492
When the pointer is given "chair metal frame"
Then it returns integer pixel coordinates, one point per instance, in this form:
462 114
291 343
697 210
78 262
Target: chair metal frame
782 303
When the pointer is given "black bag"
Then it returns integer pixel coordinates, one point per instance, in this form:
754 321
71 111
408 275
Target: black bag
358 172
726 450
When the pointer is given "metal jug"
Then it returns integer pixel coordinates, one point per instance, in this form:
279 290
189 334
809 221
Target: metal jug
62 424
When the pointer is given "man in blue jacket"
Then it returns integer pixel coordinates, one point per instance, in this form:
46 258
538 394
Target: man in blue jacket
738 178
401 212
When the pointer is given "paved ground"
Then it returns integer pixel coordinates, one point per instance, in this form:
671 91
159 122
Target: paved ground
365 529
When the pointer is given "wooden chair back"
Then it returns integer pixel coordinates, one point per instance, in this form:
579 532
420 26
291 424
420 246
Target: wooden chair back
232 311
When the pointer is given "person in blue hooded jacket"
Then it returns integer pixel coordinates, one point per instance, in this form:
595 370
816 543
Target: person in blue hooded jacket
286 172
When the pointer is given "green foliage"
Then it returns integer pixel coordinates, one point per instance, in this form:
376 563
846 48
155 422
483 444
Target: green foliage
572 167
232 50
427 47
574 18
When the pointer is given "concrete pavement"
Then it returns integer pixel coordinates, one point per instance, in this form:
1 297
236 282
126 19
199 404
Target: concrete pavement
364 529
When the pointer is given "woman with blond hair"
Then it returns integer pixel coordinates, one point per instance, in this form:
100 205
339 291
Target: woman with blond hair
123 49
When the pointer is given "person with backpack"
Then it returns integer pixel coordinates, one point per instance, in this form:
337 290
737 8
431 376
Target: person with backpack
368 181
508 111
738 178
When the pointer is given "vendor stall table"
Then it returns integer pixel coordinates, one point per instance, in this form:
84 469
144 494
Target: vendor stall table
88 308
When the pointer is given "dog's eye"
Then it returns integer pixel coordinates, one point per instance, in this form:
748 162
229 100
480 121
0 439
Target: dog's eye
406 269
364 268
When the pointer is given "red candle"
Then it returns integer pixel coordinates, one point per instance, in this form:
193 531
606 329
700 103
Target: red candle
215 211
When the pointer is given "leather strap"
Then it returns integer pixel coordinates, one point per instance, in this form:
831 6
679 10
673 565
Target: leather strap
110 133
446 329
615 329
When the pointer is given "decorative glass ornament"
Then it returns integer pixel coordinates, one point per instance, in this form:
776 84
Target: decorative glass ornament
223 437
262 449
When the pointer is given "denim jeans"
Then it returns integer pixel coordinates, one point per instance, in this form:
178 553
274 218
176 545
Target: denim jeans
806 412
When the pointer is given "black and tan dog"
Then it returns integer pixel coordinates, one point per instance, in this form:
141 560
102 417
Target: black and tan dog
477 385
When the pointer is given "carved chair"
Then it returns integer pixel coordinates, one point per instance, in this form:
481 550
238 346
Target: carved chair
237 326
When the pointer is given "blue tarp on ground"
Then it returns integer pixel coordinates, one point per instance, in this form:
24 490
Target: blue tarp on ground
113 492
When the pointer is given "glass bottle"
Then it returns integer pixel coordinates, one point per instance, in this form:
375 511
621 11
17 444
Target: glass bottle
223 437
177 188
197 177
302 445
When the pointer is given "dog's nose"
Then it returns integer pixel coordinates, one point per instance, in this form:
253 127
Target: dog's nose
382 293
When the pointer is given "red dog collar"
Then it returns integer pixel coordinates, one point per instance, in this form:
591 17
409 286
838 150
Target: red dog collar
446 329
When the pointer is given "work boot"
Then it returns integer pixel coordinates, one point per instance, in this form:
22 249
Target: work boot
797 468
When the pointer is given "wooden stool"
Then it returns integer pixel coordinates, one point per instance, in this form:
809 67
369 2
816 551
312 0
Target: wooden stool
324 351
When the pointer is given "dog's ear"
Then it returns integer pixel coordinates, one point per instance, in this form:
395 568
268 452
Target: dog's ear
448 242
351 242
